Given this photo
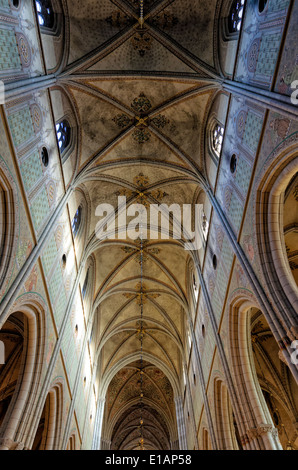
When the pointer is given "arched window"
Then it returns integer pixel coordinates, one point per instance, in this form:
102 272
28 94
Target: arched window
13 339
272 380
84 289
45 13
235 16
205 225
76 221
195 287
63 135
217 139
227 436
48 433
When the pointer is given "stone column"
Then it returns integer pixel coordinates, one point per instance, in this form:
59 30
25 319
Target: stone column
268 434
273 101
9 444
13 90
181 423
97 441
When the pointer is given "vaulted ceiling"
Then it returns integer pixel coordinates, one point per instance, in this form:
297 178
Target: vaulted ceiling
141 94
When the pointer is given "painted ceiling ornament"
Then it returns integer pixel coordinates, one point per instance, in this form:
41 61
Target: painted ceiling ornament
142 198
160 121
141 180
240 123
118 19
253 54
142 295
141 193
141 253
141 41
280 127
141 104
122 120
141 333
142 121
158 194
166 20
141 136
37 118
24 50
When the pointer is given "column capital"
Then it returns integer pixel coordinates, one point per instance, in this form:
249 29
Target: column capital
261 430
10 444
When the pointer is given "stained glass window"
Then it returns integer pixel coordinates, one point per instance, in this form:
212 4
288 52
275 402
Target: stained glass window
76 221
63 135
235 16
217 139
45 13
84 290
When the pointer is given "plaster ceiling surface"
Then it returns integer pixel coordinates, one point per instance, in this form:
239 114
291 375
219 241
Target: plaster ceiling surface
142 95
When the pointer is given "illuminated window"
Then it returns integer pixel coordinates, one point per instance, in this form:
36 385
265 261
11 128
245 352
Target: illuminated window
205 225
195 287
76 221
63 135
189 339
84 290
45 13
235 16
217 139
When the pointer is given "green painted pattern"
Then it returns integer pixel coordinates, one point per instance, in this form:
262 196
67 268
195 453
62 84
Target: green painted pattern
235 212
40 209
60 307
31 171
243 175
21 126
268 54
9 53
252 131
55 284
49 255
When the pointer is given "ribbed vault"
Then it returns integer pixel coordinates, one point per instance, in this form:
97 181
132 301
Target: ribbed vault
142 93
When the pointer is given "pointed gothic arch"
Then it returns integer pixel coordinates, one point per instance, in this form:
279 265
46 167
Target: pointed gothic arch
278 172
49 430
16 423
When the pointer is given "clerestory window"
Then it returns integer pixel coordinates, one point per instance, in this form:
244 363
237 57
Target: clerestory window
235 16
45 13
63 131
